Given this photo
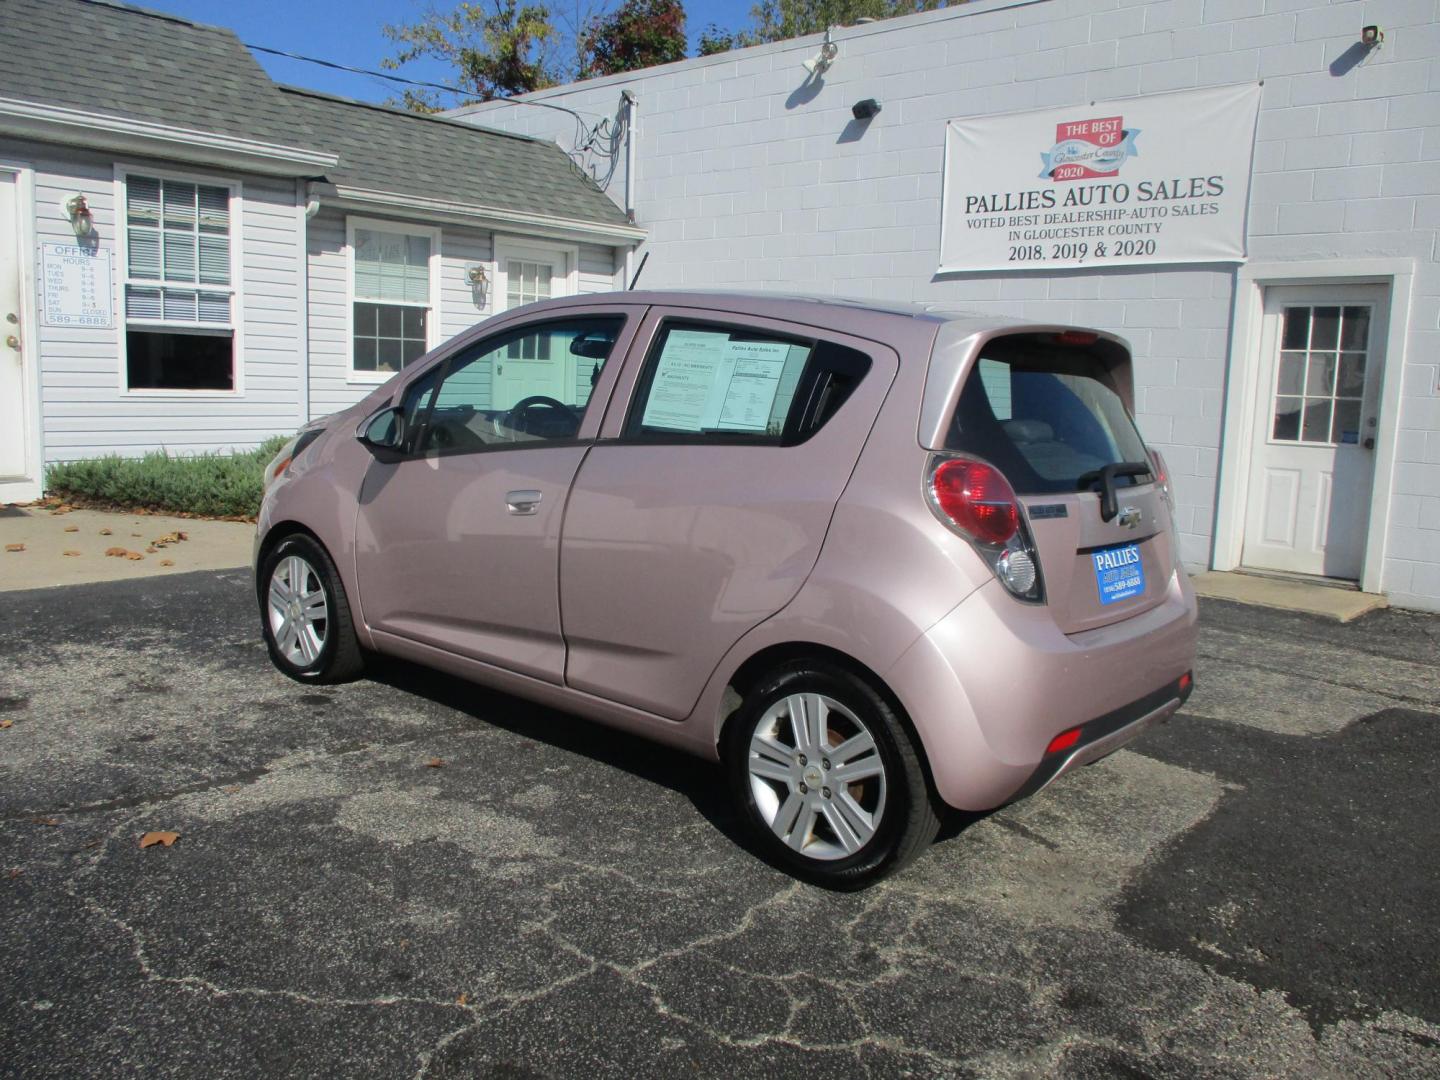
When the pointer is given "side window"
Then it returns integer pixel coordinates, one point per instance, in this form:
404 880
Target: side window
707 382
531 384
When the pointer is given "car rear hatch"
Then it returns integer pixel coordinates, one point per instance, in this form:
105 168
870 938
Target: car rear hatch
1050 410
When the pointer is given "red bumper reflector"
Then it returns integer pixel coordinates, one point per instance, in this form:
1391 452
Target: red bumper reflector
1063 741
1185 681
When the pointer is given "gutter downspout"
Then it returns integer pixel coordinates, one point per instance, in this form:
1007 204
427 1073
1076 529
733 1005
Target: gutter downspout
632 110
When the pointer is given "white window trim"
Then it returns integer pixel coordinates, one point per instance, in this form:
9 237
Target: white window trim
530 249
1243 396
432 324
236 289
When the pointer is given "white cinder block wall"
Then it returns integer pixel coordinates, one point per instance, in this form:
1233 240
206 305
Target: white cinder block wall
746 178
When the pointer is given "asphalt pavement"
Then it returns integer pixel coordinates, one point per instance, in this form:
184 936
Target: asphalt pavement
411 876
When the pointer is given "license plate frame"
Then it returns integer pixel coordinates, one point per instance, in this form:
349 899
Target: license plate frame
1119 573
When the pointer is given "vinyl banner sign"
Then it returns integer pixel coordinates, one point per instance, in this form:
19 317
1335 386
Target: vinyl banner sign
1162 179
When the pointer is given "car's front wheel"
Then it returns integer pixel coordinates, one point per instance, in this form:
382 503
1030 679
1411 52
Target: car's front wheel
828 778
305 614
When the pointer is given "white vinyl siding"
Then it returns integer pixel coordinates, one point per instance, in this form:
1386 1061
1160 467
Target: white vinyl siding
333 383
86 411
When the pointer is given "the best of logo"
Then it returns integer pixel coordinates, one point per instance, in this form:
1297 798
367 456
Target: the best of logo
1088 149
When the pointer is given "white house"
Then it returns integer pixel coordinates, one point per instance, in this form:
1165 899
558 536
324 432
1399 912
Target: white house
195 258
1285 312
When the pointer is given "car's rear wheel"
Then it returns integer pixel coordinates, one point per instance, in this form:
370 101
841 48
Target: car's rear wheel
828 778
306 617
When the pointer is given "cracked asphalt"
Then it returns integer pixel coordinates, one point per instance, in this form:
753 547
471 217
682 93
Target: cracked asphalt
1250 890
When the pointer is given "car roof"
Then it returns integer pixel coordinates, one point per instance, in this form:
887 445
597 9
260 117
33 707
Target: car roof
863 318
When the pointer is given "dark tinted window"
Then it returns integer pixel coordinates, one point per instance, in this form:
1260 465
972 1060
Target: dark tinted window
1045 418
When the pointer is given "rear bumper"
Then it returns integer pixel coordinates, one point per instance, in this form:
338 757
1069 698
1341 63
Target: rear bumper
1104 735
991 684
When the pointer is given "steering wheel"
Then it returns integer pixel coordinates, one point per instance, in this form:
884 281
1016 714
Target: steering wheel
514 419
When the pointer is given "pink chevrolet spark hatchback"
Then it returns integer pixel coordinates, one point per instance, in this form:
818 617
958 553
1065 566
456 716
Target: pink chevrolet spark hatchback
877 561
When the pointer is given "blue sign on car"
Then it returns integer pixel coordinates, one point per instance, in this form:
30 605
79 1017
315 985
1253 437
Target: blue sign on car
1119 573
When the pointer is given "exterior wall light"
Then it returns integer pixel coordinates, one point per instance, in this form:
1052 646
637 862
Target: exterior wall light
1371 36
865 110
78 213
476 276
821 61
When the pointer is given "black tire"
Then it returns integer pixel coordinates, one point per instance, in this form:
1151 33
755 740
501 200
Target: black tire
338 657
909 818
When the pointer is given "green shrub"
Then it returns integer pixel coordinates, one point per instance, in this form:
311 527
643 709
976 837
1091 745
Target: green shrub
211 485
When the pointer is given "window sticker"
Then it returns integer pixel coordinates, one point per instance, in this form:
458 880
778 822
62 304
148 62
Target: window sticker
706 382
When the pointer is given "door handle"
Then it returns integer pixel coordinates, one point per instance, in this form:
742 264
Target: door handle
522 502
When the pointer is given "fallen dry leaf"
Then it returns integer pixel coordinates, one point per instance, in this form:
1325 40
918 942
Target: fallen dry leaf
46 821
137 535
117 552
133 555
150 839
104 532
151 550
463 999
167 562
182 536
435 763
14 547
6 723
16 873
231 789
72 528
70 554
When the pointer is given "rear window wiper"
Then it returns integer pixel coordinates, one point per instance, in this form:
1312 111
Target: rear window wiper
1109 506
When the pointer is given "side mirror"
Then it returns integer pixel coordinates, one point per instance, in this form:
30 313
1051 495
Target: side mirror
383 433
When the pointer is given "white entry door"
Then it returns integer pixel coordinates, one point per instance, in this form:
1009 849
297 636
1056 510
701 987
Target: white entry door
533 273
1313 461
14 436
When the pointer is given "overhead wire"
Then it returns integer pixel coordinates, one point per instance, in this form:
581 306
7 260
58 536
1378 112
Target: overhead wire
603 137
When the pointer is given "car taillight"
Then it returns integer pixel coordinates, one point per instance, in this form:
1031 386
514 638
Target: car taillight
974 499
977 499
1162 476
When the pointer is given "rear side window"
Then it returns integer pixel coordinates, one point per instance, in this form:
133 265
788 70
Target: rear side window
705 382
1045 416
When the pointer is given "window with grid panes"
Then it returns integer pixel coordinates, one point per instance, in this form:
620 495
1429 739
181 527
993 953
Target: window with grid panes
1320 380
526 282
392 299
179 296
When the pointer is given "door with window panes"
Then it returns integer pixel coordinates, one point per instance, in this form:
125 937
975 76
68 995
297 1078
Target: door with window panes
1313 462
529 369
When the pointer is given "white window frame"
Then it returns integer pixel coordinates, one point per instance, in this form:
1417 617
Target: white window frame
432 324
530 249
236 289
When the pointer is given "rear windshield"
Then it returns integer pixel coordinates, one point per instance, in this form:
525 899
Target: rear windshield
1045 417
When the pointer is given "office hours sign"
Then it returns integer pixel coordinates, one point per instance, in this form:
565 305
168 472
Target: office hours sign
1161 179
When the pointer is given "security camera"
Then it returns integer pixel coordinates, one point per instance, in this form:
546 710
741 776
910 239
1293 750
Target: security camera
821 61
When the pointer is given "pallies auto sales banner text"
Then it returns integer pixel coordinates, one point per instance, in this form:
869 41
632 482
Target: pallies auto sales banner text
1162 179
